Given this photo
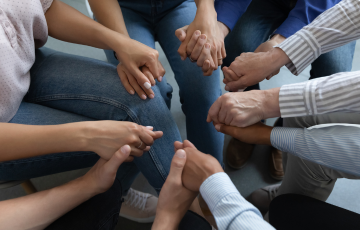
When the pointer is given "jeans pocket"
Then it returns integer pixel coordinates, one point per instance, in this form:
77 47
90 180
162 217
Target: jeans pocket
8 28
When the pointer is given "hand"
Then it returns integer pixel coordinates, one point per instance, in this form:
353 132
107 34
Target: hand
199 166
102 175
139 67
251 68
258 133
242 109
106 137
174 199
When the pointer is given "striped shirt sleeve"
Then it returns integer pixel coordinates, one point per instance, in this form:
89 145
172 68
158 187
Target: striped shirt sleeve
333 145
336 93
231 211
331 29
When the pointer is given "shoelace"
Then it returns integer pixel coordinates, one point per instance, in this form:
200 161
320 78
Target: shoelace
136 199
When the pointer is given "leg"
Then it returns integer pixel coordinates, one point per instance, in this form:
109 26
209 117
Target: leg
140 30
307 178
197 93
300 212
260 20
336 61
99 213
93 89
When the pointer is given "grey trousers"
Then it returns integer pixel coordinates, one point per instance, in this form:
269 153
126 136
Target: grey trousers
305 177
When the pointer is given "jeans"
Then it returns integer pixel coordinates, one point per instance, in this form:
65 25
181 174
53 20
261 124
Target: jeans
261 19
66 88
156 20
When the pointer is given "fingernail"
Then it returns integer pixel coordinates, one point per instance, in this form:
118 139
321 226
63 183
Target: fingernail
149 127
132 92
227 88
125 149
203 36
143 96
151 96
207 46
182 58
147 85
217 127
197 32
180 153
160 78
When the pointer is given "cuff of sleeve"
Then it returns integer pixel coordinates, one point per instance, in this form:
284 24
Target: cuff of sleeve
290 26
283 138
46 5
302 48
227 13
215 188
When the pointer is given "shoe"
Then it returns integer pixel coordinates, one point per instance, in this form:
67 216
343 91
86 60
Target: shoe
262 197
139 207
238 153
275 164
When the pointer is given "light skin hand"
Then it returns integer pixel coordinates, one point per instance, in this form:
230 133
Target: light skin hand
106 137
252 68
242 109
257 133
174 198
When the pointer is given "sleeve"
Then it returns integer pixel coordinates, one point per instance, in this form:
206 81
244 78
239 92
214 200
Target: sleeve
333 145
231 211
46 4
304 12
229 11
333 28
337 93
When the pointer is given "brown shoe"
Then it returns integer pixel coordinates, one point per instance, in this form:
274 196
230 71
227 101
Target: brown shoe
238 153
275 164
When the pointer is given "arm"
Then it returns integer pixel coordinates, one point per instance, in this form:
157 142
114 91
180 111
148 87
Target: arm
102 137
229 11
230 209
333 145
38 210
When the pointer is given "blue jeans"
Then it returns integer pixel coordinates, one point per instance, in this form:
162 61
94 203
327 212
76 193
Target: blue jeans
66 88
261 19
148 21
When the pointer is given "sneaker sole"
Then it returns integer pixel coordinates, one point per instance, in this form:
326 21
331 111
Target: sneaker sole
139 220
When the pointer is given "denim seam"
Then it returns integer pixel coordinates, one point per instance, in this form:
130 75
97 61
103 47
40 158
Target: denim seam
102 100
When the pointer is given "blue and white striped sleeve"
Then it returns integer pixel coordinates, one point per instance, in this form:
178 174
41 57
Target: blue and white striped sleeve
230 209
336 146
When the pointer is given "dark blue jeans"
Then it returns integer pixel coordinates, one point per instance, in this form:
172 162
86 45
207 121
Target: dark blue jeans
261 19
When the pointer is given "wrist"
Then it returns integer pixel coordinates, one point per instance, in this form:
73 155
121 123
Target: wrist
87 187
265 135
271 103
277 39
206 10
278 58
224 29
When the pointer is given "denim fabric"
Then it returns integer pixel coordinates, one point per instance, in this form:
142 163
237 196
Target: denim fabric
66 88
101 212
261 19
150 21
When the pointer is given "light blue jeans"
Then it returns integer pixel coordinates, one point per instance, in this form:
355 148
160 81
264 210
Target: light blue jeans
148 21
66 88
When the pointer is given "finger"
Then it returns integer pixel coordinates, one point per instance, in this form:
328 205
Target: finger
223 51
145 138
177 166
198 47
178 145
225 81
214 56
137 152
188 144
154 134
125 81
145 85
213 111
205 55
136 86
194 38
162 72
229 74
219 57
148 74
129 159
234 86
226 129
117 159
181 33
207 68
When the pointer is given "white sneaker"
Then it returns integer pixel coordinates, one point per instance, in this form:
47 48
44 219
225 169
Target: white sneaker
139 206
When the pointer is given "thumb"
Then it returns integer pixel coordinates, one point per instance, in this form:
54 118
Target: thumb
181 33
188 144
117 159
227 129
177 166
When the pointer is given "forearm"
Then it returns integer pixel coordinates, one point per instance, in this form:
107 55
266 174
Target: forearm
108 13
24 141
38 210
67 24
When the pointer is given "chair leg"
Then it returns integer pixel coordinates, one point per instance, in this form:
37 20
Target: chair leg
28 187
